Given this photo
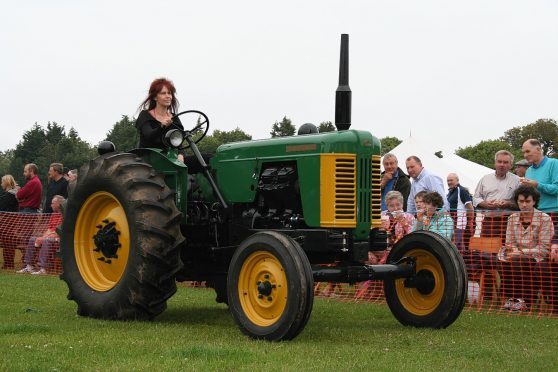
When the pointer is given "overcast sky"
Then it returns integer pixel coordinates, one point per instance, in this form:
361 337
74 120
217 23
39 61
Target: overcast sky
451 73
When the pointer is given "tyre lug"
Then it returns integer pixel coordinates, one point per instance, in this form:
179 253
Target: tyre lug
260 296
270 298
266 276
258 283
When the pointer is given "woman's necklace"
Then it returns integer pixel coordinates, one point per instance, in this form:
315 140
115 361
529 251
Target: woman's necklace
160 117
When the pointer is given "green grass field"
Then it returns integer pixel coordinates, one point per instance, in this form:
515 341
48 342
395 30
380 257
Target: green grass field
39 330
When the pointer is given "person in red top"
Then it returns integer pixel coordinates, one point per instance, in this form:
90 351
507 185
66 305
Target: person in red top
29 196
47 242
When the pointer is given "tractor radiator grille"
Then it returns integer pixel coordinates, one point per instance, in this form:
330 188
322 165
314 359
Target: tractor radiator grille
338 190
376 192
364 190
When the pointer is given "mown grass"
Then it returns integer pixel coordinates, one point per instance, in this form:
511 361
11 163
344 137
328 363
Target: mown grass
39 330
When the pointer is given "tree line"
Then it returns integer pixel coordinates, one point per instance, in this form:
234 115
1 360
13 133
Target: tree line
52 143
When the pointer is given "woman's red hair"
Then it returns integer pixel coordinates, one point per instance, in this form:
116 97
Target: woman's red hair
156 86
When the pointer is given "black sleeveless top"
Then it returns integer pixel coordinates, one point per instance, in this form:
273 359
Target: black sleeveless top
150 130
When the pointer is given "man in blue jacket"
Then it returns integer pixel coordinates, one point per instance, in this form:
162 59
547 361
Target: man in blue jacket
542 175
422 180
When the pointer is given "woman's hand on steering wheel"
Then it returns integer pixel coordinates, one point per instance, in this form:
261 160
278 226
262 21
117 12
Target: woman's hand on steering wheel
201 128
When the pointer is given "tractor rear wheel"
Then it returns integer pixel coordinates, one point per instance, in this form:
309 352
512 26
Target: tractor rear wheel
120 239
270 287
435 296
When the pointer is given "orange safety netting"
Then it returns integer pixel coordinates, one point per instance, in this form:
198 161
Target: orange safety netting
30 239
511 262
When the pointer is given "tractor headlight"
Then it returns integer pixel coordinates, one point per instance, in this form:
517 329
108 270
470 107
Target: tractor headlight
174 138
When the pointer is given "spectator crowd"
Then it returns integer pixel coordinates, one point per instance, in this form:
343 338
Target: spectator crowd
38 216
520 209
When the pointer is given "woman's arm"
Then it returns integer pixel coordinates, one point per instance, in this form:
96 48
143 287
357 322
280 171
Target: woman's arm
511 245
409 223
445 225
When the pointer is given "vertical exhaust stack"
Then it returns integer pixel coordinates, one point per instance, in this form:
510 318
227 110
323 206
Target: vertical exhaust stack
343 92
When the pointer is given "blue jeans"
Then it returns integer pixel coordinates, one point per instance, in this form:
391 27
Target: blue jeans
29 210
47 249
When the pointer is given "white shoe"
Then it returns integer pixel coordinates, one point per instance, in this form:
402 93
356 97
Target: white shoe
515 305
39 272
26 269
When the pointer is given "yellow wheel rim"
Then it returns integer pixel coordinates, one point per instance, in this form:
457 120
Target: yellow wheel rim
418 303
100 226
262 288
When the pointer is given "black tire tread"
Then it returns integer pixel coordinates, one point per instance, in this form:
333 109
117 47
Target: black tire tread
300 302
149 279
456 282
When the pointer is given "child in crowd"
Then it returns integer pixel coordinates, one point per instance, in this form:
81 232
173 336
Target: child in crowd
430 215
398 224
419 202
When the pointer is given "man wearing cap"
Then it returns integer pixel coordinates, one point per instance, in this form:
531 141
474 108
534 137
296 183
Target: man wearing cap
521 167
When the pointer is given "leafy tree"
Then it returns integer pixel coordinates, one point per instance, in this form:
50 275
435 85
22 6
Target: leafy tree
28 150
388 144
76 151
483 152
210 143
123 134
326 126
439 154
545 130
5 161
44 147
283 128
54 134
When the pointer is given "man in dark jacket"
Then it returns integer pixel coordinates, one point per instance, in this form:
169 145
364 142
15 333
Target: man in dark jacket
57 185
394 179
461 211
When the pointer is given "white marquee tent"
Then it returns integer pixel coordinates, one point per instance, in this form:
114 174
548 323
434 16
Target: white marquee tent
469 172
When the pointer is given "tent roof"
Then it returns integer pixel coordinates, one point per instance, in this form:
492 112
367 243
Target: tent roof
469 172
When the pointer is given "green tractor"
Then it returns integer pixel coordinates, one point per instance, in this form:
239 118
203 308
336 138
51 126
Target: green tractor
259 221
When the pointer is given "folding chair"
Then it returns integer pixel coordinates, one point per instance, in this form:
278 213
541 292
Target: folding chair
488 275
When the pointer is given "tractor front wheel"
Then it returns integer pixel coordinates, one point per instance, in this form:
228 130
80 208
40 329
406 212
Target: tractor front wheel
270 287
435 296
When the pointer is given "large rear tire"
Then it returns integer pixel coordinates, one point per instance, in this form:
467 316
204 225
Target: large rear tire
120 239
436 295
270 287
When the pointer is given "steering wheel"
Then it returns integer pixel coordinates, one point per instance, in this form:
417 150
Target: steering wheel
200 130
